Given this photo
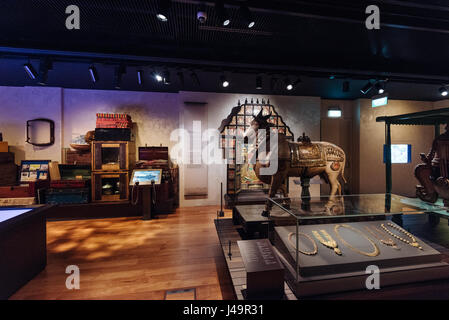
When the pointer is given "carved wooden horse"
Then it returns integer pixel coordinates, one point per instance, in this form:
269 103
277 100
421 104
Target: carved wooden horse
304 159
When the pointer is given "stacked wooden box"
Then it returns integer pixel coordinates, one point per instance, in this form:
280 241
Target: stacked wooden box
8 169
112 160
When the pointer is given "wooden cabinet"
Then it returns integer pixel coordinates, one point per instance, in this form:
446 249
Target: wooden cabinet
110 186
113 155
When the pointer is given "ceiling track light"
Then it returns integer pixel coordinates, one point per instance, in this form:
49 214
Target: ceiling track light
195 78
44 66
140 77
224 81
366 88
443 91
288 84
119 72
181 78
273 82
166 75
259 84
29 69
163 7
201 15
380 87
93 73
157 76
222 13
247 16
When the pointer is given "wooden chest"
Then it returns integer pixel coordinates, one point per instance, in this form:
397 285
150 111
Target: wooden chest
25 190
8 174
3 146
78 158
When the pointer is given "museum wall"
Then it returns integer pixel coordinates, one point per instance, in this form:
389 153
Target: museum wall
155 116
340 132
19 104
372 138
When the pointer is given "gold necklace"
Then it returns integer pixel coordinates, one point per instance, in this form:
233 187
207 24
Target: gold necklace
329 242
308 253
376 232
413 243
369 254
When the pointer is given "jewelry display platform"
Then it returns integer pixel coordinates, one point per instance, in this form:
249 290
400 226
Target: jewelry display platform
320 270
251 219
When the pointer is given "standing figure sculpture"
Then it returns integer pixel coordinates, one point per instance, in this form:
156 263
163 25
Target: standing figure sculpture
433 173
304 159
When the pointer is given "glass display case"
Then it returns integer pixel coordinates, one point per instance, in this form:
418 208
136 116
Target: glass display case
332 240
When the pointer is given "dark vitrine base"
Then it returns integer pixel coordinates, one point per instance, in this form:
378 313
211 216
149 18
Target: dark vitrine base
23 246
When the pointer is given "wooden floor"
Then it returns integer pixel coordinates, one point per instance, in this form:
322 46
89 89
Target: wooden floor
128 258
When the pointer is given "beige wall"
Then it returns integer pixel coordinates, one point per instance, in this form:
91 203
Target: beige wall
19 104
372 139
340 132
366 172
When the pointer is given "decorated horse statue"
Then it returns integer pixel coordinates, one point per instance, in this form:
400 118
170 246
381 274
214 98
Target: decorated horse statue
304 159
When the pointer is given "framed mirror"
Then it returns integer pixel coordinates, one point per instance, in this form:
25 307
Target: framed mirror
41 132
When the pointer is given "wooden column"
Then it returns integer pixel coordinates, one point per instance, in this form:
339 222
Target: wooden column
388 173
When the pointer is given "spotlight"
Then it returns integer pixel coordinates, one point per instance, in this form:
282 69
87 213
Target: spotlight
380 87
167 77
443 91
140 77
288 84
224 82
119 71
259 83
44 66
162 11
247 16
93 74
195 78
346 86
222 13
30 70
366 88
157 76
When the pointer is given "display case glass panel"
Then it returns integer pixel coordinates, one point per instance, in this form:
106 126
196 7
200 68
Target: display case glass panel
341 234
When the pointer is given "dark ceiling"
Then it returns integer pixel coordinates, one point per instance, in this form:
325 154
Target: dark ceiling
311 40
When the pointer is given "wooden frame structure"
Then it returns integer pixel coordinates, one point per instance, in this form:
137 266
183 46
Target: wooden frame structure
434 118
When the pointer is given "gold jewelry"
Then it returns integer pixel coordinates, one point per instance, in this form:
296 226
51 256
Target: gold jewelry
376 232
308 253
329 242
369 254
413 243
